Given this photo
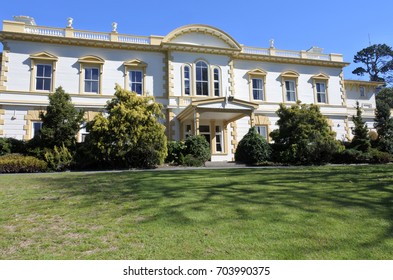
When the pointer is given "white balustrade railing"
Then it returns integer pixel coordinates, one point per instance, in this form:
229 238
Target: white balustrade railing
318 56
288 53
47 31
133 39
91 35
252 50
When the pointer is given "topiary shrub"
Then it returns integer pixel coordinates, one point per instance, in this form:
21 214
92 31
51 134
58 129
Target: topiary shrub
16 163
198 147
252 149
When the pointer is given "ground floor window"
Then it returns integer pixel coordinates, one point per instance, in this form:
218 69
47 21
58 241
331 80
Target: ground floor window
219 144
262 130
35 128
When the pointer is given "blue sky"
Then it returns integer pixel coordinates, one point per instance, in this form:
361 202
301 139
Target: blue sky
336 26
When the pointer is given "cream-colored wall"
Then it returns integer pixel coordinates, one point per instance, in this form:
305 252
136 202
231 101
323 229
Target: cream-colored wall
68 67
14 121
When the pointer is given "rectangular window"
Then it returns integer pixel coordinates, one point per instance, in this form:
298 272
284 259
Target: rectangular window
219 146
35 128
216 77
187 80
257 89
92 80
290 91
262 130
43 77
321 92
136 81
362 91
188 131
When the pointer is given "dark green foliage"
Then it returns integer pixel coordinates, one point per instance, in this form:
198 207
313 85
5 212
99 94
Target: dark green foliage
198 147
377 60
190 160
361 138
12 146
176 151
383 120
252 149
130 135
61 122
16 163
304 136
353 156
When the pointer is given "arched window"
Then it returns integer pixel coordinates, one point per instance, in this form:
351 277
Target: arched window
186 79
216 82
202 78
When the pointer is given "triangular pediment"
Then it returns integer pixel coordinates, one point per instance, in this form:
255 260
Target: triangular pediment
257 72
201 36
135 63
321 76
44 56
91 59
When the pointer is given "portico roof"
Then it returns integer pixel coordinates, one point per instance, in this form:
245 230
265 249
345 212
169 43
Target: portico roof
227 109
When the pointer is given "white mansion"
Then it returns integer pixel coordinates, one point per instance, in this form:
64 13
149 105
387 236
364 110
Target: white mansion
207 82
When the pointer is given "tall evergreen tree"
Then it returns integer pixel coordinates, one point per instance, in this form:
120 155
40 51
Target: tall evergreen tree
61 121
361 138
384 126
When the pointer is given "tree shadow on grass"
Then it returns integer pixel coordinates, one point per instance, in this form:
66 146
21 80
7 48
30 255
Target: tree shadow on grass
215 197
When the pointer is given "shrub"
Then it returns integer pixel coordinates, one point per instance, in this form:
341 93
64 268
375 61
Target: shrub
253 148
58 159
176 151
16 163
12 146
198 147
349 156
190 160
380 157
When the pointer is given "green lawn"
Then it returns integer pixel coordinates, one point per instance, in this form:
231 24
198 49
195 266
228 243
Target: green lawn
343 212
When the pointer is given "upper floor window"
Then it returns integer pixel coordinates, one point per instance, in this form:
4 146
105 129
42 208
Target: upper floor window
187 79
202 78
321 92
320 84
92 80
43 66
43 77
134 78
91 68
136 81
290 91
289 85
362 90
216 81
257 79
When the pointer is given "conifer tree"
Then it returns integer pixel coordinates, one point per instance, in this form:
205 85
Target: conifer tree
61 121
361 139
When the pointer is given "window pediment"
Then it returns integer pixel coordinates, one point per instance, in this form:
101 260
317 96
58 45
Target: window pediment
320 76
290 74
44 56
257 72
135 63
91 59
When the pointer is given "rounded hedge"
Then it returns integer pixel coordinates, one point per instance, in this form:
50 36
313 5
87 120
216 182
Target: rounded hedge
252 149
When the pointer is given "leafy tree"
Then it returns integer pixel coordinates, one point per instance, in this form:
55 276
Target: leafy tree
303 136
377 60
361 139
60 123
383 121
129 134
253 148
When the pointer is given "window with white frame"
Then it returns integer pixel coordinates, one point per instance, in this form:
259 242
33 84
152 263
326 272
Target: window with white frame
321 92
35 128
262 130
290 91
136 81
362 90
216 79
43 77
92 80
84 131
187 80
202 78
219 143
257 88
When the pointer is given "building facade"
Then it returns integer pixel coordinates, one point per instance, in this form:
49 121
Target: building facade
208 83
